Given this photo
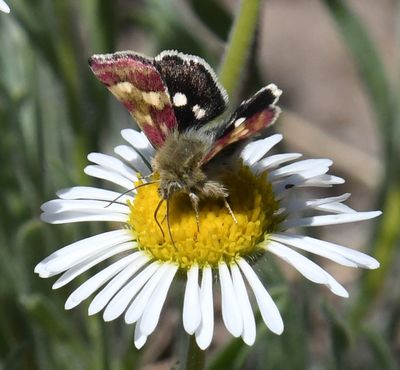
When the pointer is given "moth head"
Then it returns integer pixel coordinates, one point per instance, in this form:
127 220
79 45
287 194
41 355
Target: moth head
169 187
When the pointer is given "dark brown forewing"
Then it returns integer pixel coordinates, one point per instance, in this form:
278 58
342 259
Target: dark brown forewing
195 92
252 116
136 83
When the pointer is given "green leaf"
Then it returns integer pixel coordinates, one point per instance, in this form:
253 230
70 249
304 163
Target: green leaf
380 349
340 337
367 60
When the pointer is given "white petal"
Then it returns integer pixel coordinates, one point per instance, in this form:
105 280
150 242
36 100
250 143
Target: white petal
330 219
323 181
249 324
297 204
299 167
140 338
122 299
86 206
68 256
204 333
300 180
101 173
336 288
113 164
75 216
133 158
4 7
97 280
257 149
274 161
151 314
103 297
139 142
88 192
359 258
295 241
105 239
307 268
268 309
230 312
138 305
91 261
335 208
191 305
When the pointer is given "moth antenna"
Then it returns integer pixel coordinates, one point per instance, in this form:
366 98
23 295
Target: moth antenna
194 199
129 190
147 176
230 210
169 226
155 217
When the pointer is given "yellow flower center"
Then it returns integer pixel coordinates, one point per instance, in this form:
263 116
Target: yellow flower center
217 237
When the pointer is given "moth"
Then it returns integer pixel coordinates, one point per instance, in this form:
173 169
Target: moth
174 98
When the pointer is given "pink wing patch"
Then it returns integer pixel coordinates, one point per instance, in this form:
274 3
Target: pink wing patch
251 117
136 83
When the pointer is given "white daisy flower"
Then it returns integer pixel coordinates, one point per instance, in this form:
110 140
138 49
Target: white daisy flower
4 7
143 262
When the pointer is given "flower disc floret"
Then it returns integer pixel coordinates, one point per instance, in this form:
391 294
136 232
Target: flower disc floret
218 237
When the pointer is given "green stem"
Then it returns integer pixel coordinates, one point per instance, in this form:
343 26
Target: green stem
240 40
195 358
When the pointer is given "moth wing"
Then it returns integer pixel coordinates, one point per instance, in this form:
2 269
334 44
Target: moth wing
195 92
252 116
135 81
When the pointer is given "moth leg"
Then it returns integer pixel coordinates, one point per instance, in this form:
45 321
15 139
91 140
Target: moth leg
194 199
230 210
155 217
169 226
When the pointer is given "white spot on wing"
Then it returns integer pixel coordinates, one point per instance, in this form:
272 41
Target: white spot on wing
179 99
199 113
239 121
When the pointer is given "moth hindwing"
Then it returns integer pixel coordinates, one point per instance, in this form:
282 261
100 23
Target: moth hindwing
249 119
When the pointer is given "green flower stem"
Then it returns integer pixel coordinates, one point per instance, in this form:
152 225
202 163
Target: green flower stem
239 44
195 359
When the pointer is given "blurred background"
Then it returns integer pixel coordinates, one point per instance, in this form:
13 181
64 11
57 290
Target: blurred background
337 63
